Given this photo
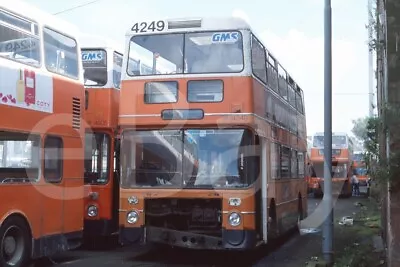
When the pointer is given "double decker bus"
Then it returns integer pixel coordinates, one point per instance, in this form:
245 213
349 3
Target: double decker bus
342 164
213 141
41 166
360 167
102 62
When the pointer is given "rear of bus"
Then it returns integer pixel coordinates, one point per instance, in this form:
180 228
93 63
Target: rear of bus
41 166
191 142
341 165
102 77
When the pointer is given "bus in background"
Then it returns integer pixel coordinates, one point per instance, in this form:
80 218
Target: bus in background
41 166
102 63
213 142
342 152
360 167
308 164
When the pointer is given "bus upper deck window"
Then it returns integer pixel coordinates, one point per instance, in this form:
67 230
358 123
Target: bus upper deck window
61 53
214 52
95 67
19 39
161 92
205 91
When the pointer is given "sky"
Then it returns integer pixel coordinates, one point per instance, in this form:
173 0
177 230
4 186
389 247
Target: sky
292 30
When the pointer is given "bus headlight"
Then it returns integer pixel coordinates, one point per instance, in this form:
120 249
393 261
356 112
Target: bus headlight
132 217
234 219
92 211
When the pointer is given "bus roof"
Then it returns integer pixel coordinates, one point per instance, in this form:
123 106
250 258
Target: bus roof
196 24
41 17
333 134
95 41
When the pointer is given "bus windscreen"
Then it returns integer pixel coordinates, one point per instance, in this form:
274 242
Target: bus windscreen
188 158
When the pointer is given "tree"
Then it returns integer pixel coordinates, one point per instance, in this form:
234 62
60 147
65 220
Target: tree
360 128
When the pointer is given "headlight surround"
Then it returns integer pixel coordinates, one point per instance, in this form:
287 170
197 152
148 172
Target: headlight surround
132 217
92 211
234 219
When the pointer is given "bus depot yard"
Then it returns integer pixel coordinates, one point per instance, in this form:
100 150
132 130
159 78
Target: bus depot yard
193 135
357 244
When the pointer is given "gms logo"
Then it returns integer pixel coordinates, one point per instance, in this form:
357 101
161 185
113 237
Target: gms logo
225 37
92 56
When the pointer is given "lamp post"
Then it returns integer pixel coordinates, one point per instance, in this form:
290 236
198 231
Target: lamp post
327 231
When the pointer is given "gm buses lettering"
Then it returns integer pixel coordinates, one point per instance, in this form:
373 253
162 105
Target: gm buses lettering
213 141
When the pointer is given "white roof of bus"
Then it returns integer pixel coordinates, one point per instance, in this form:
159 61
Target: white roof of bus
31 12
207 24
95 41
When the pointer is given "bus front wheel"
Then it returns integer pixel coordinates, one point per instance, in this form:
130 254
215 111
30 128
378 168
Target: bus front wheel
14 243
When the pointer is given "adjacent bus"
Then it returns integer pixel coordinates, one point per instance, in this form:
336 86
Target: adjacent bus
41 149
213 140
360 167
342 153
102 62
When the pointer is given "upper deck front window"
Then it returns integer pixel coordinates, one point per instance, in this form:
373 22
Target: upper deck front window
358 157
177 53
337 141
95 66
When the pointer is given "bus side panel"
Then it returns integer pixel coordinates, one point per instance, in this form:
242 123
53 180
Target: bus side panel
73 187
26 203
69 99
103 108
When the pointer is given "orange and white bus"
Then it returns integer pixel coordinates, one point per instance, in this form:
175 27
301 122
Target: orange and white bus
342 159
102 62
41 135
213 141
360 168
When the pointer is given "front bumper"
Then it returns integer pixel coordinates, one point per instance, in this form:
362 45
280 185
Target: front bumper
231 239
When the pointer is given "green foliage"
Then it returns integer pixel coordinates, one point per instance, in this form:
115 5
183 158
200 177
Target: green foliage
380 167
359 128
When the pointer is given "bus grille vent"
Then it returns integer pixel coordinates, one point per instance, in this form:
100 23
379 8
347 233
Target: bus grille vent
76 113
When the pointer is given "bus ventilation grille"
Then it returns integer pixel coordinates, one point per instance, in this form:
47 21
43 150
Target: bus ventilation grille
76 113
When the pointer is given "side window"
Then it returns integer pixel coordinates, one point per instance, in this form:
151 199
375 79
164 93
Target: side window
292 93
258 59
294 164
19 39
53 159
19 157
117 66
275 161
299 102
272 74
301 164
269 102
282 83
285 162
61 53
